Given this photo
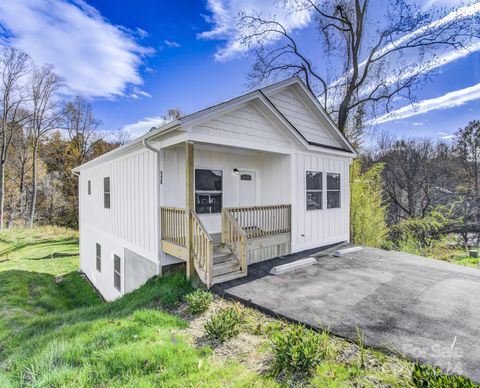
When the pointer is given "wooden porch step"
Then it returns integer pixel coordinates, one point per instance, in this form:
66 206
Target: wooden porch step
228 276
227 266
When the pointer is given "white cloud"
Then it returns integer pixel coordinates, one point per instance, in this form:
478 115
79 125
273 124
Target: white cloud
96 58
223 20
138 93
447 56
172 43
143 126
417 124
448 100
446 136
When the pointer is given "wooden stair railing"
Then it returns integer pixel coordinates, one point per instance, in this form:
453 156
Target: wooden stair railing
235 238
173 225
202 250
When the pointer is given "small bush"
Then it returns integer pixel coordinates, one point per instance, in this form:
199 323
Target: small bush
223 325
298 350
425 376
198 301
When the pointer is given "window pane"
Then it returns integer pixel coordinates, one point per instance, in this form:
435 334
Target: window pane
99 250
106 200
89 187
314 200
208 180
333 199
116 263
245 177
106 184
333 181
208 203
314 180
99 264
116 281
208 191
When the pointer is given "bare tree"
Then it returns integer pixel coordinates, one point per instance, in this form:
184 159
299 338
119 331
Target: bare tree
45 116
372 48
408 177
14 66
20 166
468 150
81 126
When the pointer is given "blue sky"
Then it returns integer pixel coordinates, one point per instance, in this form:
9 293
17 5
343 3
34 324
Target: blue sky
136 59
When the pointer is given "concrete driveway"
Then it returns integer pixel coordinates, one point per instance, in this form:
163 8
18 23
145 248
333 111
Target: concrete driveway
414 305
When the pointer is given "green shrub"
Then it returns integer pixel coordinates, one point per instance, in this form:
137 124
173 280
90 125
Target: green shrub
298 350
421 236
425 376
223 325
198 301
368 209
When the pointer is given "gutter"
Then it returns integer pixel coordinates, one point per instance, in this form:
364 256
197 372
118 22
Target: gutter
159 182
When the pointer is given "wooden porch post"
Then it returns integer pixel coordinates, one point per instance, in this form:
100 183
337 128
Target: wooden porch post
189 204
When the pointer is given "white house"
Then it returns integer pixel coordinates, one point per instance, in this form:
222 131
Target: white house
259 176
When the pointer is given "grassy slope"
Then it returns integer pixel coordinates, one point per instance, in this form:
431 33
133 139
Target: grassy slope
61 334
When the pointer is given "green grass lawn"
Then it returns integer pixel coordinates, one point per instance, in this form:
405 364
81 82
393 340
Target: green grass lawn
59 333
63 335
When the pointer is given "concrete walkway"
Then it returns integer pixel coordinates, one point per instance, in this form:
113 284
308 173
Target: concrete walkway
411 304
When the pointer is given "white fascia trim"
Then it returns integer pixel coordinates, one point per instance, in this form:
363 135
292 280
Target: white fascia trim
136 143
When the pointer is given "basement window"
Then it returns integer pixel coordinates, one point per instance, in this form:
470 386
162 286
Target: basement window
314 190
333 191
208 191
106 192
89 187
117 277
98 255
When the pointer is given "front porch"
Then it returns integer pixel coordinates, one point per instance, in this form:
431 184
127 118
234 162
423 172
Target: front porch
249 235
229 218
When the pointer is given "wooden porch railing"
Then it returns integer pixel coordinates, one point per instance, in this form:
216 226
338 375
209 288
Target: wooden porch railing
202 250
235 238
174 225
261 221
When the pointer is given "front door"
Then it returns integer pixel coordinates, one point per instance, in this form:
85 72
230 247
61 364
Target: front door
247 188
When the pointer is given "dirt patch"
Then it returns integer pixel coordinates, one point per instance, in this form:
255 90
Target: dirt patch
251 347
250 350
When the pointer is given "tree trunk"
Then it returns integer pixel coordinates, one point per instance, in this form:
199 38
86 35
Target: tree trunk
34 187
2 193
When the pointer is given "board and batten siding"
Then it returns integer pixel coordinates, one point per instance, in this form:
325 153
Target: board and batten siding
131 221
314 228
289 104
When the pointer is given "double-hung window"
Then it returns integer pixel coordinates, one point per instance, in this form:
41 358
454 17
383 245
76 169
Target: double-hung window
208 191
106 192
98 255
314 190
333 191
117 273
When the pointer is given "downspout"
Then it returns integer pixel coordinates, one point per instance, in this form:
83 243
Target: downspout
157 151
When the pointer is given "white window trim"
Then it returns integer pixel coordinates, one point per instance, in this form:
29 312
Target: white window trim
327 190
98 257
109 192
322 190
120 273
195 168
